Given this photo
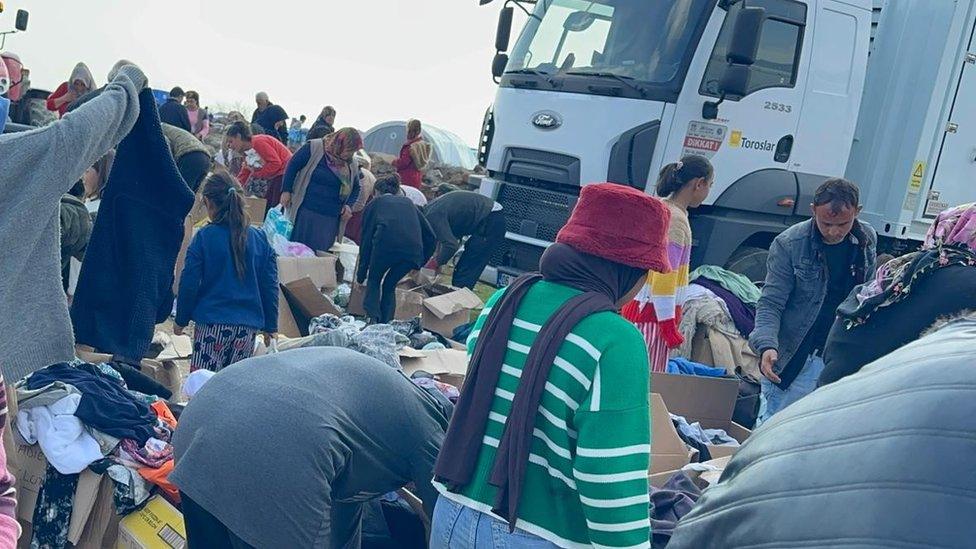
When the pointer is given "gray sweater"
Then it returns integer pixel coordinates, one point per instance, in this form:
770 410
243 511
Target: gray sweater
38 167
282 449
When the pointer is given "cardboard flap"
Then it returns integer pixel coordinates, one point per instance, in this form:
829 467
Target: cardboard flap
84 501
709 400
668 451
454 302
439 362
309 300
322 270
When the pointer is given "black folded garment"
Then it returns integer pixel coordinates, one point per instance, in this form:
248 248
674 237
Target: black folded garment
135 380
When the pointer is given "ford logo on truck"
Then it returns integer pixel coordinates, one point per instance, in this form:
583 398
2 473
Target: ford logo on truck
547 120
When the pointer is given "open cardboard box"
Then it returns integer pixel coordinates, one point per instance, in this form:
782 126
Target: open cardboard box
307 302
703 479
158 525
441 308
707 400
446 365
321 269
255 208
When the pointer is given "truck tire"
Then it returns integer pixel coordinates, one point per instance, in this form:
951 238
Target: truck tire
750 262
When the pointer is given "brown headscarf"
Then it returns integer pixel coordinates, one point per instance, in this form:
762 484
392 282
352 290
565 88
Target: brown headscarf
343 143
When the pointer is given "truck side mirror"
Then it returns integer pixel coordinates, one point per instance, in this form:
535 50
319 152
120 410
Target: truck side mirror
741 55
745 36
504 32
21 22
498 65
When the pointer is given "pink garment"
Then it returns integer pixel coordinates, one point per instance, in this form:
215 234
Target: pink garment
201 128
658 352
9 529
953 226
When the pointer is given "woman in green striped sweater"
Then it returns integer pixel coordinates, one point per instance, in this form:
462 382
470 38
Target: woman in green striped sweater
550 442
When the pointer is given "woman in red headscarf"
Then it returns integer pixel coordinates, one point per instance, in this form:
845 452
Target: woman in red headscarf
321 184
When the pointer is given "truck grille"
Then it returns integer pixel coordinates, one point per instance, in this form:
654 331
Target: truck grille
534 212
518 256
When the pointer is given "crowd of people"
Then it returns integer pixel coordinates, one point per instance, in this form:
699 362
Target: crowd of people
548 443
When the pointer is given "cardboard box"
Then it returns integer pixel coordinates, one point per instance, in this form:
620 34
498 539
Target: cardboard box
703 478
165 372
158 525
443 313
322 270
255 208
356 295
307 302
668 451
446 365
707 400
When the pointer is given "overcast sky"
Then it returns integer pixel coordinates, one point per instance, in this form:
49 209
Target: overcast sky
374 60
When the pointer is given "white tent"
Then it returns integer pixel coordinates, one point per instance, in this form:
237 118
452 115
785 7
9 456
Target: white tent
449 149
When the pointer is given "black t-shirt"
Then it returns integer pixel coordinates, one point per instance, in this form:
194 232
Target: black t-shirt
840 281
268 118
942 292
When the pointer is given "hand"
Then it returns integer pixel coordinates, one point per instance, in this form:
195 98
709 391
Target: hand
346 213
286 199
178 330
769 359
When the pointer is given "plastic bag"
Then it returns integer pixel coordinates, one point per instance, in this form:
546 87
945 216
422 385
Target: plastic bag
276 223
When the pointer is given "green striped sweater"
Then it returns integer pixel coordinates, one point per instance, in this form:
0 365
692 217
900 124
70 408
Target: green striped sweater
586 482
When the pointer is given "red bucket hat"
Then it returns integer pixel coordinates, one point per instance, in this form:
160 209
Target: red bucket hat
620 224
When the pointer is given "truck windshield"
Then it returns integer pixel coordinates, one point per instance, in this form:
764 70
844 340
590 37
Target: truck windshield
647 41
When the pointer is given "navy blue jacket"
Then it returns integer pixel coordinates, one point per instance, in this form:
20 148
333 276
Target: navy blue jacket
211 292
174 114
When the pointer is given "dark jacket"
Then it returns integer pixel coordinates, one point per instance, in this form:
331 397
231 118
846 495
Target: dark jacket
322 195
174 114
76 228
796 286
940 293
321 123
316 431
267 120
126 281
394 229
454 216
211 292
879 459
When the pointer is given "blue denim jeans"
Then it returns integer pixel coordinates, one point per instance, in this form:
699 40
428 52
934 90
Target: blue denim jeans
455 526
773 399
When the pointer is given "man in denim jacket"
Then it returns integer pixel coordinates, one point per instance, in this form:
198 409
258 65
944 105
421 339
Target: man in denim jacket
813 266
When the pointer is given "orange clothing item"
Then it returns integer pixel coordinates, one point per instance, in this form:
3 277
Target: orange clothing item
160 477
274 154
164 413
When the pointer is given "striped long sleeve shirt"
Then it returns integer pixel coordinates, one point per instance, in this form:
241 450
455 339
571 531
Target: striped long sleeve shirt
586 481
660 300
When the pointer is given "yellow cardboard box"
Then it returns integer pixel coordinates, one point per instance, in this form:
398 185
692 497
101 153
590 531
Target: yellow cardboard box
157 526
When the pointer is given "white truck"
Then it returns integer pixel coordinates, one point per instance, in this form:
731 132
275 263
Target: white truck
779 94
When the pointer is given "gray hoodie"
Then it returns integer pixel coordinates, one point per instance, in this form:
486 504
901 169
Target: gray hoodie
38 167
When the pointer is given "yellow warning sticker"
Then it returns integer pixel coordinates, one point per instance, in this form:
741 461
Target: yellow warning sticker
918 173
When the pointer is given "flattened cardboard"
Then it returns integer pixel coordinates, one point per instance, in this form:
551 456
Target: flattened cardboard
707 400
446 365
668 451
322 270
29 468
178 348
158 525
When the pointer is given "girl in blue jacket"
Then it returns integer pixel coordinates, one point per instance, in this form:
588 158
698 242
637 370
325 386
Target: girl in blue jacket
229 286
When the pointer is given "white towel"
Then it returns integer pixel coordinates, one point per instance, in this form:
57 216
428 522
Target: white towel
62 437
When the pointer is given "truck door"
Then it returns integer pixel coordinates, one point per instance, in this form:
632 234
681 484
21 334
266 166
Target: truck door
952 181
751 141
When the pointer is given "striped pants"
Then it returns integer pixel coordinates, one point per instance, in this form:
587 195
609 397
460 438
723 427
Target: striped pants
657 349
216 346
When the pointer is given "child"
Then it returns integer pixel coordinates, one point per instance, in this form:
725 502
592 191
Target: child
229 286
396 239
657 308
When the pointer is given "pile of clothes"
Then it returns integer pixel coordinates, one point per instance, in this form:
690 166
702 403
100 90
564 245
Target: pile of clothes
697 437
380 341
83 416
719 313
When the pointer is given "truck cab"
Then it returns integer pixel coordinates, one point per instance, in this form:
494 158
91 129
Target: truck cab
612 90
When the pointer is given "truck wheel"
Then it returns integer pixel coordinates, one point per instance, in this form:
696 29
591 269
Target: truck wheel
750 262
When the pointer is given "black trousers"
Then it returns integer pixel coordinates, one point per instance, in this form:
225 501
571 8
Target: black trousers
380 299
204 531
478 250
194 167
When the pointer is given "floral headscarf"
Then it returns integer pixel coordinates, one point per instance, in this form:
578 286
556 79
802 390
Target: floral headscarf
343 143
951 240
